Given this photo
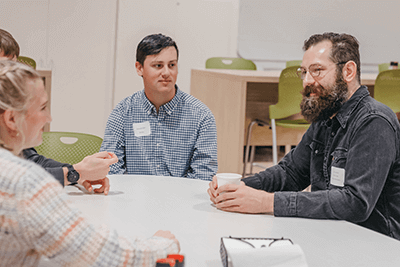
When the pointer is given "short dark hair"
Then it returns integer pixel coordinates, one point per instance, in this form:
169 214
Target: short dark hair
152 45
8 45
345 47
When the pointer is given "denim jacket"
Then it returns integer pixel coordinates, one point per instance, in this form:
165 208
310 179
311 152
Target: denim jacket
360 146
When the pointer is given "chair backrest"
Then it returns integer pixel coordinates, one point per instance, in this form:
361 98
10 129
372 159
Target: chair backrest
383 67
387 89
28 61
291 63
230 63
289 96
68 147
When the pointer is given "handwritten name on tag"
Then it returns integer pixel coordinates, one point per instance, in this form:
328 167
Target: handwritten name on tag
141 129
337 176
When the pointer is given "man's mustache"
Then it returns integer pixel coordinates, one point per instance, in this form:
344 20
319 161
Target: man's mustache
310 89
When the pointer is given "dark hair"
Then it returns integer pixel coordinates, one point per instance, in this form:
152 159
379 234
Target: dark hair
8 45
152 45
345 47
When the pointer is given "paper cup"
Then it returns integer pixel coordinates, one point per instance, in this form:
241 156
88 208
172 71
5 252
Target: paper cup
228 178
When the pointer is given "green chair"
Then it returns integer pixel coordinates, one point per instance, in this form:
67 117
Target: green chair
387 89
289 98
291 63
230 63
289 88
387 66
68 147
383 67
28 61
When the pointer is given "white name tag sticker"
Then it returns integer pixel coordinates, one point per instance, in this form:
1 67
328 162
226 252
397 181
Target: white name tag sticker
337 176
141 129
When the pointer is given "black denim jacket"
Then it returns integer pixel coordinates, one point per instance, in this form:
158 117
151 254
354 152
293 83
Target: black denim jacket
363 139
51 166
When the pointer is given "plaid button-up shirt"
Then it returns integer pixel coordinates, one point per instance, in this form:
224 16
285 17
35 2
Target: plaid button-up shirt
37 221
180 140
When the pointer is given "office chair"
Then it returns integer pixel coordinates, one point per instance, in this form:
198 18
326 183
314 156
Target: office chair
289 88
291 63
28 61
387 88
68 147
230 63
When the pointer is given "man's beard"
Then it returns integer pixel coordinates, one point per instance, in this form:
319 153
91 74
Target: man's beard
326 103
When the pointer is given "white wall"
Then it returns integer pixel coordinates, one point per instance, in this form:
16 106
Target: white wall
274 31
82 41
75 39
90 45
201 29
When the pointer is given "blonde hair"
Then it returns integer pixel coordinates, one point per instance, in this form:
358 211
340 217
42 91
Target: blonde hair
14 94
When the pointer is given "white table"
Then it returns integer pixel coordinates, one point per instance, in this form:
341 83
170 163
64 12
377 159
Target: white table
141 205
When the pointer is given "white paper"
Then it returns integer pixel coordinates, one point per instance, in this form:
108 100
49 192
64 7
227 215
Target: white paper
141 129
279 256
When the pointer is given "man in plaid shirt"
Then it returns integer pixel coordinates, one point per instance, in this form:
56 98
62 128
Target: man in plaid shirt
161 130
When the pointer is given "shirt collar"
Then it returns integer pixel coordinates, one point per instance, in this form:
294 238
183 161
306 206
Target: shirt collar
350 105
168 107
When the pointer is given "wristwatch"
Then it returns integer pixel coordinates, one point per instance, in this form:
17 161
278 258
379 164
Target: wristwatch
72 175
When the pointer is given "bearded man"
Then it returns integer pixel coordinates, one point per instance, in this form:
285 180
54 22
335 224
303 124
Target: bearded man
350 155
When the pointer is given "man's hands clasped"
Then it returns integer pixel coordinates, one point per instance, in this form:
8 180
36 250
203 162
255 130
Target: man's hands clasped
240 198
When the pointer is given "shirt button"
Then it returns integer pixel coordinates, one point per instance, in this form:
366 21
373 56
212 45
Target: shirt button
158 166
333 134
316 151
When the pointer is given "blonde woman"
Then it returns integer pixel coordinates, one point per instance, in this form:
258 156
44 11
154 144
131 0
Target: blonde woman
34 220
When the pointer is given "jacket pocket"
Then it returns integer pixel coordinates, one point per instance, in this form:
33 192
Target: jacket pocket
317 179
339 157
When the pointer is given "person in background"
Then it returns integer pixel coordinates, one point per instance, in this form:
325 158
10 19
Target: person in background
35 220
161 130
350 155
90 171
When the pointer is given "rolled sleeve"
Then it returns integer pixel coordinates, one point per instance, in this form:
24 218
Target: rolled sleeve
114 139
204 161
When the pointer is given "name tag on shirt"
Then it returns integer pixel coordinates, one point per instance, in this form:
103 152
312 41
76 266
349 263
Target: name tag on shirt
141 129
337 176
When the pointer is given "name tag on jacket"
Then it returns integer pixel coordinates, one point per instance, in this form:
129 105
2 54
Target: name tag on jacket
337 176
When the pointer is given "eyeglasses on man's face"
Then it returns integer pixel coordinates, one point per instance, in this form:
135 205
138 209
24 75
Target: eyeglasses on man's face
315 70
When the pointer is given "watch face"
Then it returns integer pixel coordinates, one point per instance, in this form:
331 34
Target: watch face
73 175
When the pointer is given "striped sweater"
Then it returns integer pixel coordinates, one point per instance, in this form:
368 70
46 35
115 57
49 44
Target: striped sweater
35 221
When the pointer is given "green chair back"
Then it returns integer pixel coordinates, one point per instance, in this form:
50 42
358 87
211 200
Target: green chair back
230 63
291 63
289 88
387 89
383 67
68 147
28 61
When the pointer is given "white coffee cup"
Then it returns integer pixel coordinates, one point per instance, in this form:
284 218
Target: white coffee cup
228 178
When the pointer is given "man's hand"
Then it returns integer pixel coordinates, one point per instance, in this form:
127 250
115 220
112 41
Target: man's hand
96 166
240 198
93 170
105 185
212 190
169 235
